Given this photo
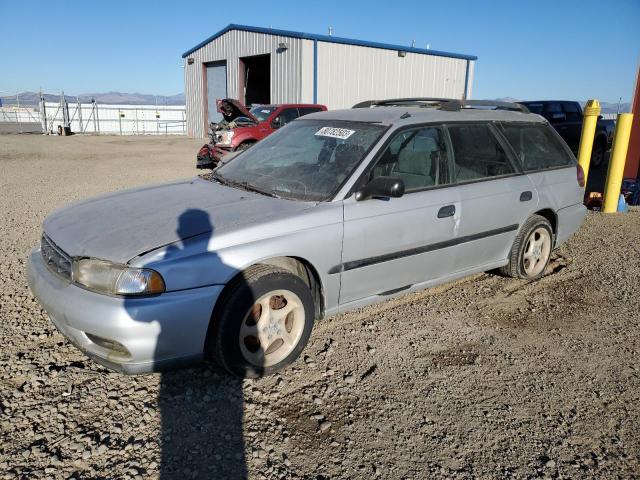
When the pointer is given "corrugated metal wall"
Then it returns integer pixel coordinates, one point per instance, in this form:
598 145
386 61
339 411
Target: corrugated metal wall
286 71
348 74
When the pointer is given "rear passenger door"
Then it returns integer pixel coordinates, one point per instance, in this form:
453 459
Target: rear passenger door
391 244
496 198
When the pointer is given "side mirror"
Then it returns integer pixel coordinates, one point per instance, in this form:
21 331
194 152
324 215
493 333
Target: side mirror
381 187
276 123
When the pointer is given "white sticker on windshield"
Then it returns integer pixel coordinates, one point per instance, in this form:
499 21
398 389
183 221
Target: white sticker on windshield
334 132
265 111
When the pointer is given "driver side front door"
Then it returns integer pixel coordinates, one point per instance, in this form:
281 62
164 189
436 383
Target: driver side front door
391 244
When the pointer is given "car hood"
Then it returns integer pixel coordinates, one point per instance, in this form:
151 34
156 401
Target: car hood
120 226
232 109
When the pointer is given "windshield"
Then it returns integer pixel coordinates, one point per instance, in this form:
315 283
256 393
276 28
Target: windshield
262 112
305 160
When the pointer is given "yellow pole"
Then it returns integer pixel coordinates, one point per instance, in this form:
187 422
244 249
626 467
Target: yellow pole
616 162
591 112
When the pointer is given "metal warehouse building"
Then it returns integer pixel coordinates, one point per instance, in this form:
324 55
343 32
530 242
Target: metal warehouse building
264 65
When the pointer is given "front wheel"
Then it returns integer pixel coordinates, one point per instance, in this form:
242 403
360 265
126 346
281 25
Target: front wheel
244 146
264 322
531 250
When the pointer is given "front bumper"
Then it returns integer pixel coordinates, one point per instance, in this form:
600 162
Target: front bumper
213 156
158 332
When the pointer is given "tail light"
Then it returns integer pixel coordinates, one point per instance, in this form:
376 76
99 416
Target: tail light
580 175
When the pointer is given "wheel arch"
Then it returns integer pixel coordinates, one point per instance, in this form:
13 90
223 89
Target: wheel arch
297 266
552 216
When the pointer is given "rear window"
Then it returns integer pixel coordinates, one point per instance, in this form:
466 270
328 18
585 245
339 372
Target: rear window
477 153
537 146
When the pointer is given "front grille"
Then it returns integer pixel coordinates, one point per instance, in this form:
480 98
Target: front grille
58 262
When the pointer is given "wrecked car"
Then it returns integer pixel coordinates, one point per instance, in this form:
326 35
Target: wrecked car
242 127
339 210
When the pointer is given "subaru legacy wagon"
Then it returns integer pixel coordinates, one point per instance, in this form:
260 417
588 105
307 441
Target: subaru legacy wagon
335 211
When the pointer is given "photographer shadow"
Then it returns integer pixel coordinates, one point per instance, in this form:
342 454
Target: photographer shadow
201 408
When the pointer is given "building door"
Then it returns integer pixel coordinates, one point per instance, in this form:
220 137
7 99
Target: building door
216 88
255 80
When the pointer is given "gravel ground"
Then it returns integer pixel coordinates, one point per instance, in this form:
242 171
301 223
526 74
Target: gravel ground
484 378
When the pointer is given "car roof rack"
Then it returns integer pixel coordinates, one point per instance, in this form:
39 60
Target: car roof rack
446 104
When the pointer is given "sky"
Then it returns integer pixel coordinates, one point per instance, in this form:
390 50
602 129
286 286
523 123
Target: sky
526 49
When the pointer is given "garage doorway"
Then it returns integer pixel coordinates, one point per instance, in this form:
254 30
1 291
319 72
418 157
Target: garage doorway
255 79
216 88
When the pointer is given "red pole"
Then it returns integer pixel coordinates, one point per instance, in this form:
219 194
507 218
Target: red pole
632 167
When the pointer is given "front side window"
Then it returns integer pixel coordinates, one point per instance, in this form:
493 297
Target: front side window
537 146
477 153
262 112
287 115
306 160
419 157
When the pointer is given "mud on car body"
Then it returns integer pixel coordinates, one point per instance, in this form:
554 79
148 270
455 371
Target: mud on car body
242 127
332 212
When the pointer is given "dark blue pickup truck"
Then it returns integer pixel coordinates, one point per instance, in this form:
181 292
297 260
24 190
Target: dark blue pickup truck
566 117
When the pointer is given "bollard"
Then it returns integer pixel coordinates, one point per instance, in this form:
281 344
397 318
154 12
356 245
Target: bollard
591 113
616 162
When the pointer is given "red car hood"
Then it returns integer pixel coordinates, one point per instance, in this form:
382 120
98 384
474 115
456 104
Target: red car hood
232 109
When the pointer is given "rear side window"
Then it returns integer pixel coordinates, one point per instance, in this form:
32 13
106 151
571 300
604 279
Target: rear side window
537 146
572 111
308 110
477 153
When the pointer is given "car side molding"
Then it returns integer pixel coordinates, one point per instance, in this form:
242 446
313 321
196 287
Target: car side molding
365 262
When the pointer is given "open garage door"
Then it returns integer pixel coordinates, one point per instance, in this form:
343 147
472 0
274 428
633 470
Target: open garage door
255 79
216 88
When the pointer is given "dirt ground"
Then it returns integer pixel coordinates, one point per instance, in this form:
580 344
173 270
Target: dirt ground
485 378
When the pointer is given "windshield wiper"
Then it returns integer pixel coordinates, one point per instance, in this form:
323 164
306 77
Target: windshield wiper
251 188
243 185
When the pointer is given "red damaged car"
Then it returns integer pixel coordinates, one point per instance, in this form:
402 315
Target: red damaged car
242 127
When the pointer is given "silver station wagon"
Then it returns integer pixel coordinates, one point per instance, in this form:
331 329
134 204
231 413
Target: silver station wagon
335 211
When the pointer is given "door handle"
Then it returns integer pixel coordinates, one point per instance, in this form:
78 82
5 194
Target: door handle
526 196
448 211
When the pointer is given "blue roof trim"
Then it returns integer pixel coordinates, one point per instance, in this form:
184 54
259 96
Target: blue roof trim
327 38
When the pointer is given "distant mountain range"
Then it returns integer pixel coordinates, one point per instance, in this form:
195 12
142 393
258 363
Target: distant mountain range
111 98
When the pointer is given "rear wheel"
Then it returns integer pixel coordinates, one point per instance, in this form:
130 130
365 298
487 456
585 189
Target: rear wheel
531 250
264 322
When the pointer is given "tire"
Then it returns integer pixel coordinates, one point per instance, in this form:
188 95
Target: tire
244 146
531 250
598 154
237 340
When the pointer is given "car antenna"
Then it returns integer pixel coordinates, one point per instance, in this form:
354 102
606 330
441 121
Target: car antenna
405 115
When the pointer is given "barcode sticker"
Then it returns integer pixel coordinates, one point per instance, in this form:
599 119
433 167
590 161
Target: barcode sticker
335 132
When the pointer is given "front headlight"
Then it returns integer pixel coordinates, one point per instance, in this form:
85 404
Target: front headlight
226 137
106 277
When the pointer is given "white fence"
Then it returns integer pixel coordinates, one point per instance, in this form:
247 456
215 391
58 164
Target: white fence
115 119
94 118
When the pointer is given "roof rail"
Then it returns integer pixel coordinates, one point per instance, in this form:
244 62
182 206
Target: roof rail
446 104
